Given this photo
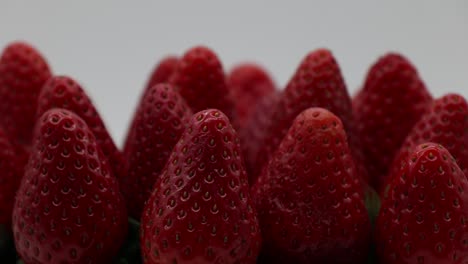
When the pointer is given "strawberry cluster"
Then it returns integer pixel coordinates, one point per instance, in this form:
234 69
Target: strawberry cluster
227 168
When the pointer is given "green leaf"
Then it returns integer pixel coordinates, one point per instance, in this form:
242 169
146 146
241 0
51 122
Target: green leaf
130 251
372 202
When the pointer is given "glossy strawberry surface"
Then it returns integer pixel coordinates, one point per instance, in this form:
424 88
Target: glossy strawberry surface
199 78
317 82
200 210
445 123
64 92
424 214
390 103
159 122
68 208
309 197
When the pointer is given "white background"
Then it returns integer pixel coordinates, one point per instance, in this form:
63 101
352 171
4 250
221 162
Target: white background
111 46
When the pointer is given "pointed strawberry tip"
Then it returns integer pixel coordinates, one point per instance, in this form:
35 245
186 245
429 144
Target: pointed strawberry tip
317 56
161 118
312 164
23 71
64 92
202 186
162 72
67 184
200 79
212 120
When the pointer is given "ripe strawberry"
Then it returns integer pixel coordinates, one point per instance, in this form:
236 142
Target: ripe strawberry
317 83
200 210
10 177
159 122
64 92
68 208
392 100
256 129
249 83
445 123
161 74
23 71
163 71
200 79
424 217
309 196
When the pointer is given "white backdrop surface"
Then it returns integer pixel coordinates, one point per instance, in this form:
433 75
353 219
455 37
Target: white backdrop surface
111 46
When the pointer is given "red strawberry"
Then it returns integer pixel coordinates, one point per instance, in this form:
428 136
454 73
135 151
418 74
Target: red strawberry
249 83
23 71
256 129
424 217
163 71
200 79
161 74
68 208
392 100
159 122
200 210
445 123
309 197
317 83
10 177
64 92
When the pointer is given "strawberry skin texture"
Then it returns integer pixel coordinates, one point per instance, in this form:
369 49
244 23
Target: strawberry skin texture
316 83
199 78
424 215
256 129
159 122
309 197
10 177
249 83
161 74
163 71
444 123
68 208
392 100
200 210
23 71
64 92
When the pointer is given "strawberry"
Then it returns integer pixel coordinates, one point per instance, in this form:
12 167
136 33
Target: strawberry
64 92
424 216
309 196
391 101
9 178
199 78
161 74
248 83
256 128
68 208
159 122
445 123
200 210
23 71
163 71
316 83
